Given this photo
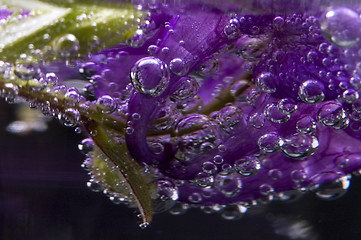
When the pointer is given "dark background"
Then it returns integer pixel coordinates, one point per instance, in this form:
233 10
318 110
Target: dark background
43 195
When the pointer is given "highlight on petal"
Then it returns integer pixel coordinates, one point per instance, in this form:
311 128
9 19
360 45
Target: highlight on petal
222 106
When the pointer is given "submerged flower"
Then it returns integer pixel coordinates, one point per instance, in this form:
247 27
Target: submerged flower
225 106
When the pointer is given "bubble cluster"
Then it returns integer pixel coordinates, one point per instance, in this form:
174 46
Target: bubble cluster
218 109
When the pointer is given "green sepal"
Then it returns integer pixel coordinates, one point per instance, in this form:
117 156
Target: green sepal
117 171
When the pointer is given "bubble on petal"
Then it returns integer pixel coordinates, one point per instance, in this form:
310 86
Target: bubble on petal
229 117
300 145
250 48
350 96
266 82
167 190
153 49
232 29
342 26
333 115
209 167
247 166
273 114
229 185
266 189
275 174
195 198
287 106
257 120
178 66
188 89
270 142
150 76
298 176
278 22
218 159
306 125
311 91
204 180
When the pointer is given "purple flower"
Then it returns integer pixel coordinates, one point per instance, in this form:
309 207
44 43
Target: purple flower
224 106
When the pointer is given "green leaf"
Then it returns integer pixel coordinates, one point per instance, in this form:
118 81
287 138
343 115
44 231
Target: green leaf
65 31
117 171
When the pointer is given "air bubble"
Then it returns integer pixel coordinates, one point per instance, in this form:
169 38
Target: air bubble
157 148
266 189
153 49
137 39
204 180
94 185
229 185
356 82
350 96
178 66
188 89
247 166
278 22
342 26
167 190
106 104
10 91
270 143
333 115
88 69
250 48
311 91
166 117
298 176
72 96
51 79
306 125
287 106
144 225
150 76
342 161
257 120
26 71
332 190
233 212
86 146
229 117
232 29
266 82
129 130
165 50
299 145
71 117
222 148
275 174
273 114
226 169
195 198
209 167
218 159
67 46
